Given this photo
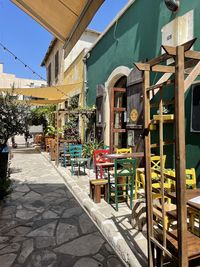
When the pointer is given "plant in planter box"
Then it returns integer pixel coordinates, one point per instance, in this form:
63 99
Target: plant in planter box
71 131
50 131
88 149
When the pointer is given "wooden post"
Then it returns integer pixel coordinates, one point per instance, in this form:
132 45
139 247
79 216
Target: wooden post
57 136
180 158
148 187
112 119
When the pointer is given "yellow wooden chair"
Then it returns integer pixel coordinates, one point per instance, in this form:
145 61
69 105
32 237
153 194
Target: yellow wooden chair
124 150
155 162
170 211
190 178
140 181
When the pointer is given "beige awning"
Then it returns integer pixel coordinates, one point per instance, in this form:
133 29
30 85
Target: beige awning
40 102
51 93
65 19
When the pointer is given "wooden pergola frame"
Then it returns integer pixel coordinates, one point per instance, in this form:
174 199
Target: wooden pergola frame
58 113
187 62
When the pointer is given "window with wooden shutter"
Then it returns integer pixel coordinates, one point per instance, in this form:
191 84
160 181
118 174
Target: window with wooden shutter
56 64
49 74
195 108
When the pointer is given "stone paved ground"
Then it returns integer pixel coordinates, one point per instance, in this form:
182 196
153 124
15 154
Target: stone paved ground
42 224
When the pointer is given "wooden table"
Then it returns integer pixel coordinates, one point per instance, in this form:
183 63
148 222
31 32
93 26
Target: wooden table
190 193
124 155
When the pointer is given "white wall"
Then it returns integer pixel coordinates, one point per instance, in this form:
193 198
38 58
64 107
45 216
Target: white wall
85 42
8 80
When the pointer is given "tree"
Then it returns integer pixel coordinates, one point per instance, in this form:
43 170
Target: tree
13 118
42 115
13 121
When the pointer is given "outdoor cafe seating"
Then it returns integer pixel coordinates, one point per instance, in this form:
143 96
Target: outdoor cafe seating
121 184
76 159
101 164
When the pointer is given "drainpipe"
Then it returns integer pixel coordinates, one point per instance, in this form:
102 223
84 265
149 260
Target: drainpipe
84 93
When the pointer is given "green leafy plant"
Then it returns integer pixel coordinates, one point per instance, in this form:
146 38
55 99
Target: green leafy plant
42 115
50 131
13 117
89 147
71 131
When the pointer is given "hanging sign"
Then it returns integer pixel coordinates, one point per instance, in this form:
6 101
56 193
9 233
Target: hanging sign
134 115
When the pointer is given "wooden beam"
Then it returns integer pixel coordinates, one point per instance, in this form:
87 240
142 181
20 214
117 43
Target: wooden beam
192 76
122 90
188 54
148 186
142 66
180 158
162 80
163 68
119 109
191 63
192 54
117 130
112 120
171 50
159 59
156 68
156 86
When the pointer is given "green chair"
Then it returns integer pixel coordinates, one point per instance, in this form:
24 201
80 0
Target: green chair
121 184
76 159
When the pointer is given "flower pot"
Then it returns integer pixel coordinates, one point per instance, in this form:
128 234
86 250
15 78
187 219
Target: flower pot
3 161
90 163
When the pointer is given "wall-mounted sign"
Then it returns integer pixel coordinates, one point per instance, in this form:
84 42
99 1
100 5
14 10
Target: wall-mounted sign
134 115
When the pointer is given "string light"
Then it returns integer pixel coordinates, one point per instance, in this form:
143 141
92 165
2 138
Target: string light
28 67
25 65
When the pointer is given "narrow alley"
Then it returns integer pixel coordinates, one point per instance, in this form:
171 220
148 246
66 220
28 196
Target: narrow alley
42 224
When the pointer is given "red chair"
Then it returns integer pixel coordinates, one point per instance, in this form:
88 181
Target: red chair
101 163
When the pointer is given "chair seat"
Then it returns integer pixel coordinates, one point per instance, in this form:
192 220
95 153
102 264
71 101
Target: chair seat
99 181
105 164
122 173
169 208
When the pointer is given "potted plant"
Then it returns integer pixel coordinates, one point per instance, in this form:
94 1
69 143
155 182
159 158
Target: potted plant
13 121
88 149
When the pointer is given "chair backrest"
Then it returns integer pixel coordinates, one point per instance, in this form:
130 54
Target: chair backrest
191 178
155 162
75 150
66 148
125 167
124 150
98 156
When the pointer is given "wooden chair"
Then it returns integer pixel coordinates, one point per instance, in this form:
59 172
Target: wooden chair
122 183
170 210
64 155
124 150
140 181
155 162
96 188
190 178
100 163
76 160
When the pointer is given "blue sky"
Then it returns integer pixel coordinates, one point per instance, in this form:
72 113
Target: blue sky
29 41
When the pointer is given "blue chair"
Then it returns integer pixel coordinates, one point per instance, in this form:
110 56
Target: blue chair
76 159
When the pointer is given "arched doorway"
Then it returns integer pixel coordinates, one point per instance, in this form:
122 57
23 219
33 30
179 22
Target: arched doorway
118 104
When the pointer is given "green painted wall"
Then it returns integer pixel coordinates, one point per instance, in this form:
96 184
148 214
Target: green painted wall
136 36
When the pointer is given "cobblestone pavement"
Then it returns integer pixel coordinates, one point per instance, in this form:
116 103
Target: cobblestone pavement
42 224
